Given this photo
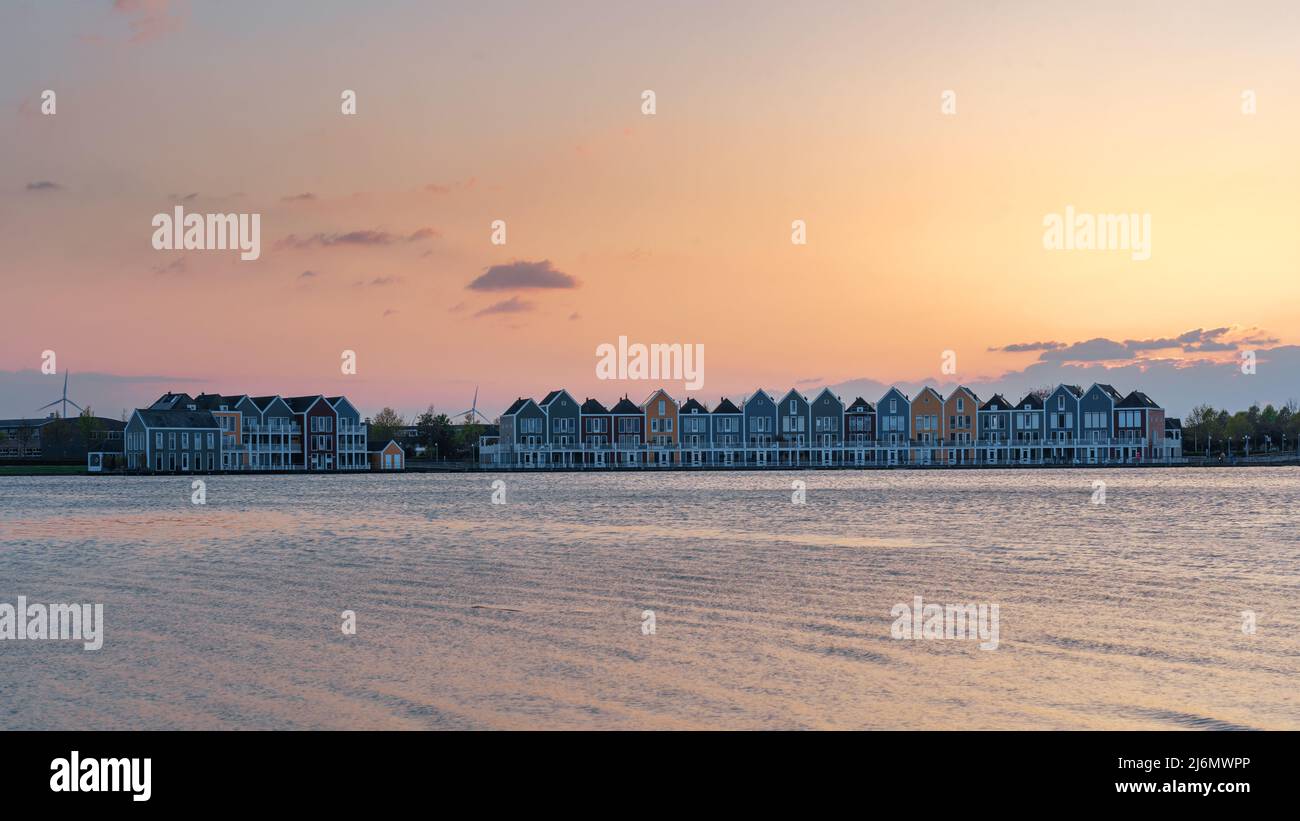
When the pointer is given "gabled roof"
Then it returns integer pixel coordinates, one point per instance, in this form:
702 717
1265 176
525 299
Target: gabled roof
825 391
966 390
626 407
213 401
302 404
1137 399
996 402
693 406
725 405
264 402
1033 400
171 401
1108 390
795 394
1074 389
896 390
860 405
517 406
929 389
1173 423
176 418
768 396
550 397
656 392
591 406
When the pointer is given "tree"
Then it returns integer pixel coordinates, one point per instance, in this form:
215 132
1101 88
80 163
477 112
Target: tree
385 425
436 433
87 425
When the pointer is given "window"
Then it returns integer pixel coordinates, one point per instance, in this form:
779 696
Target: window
157 442
663 407
893 406
961 404
185 439
210 442
185 461
171 442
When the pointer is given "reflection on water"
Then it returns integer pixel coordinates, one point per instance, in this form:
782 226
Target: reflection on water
768 614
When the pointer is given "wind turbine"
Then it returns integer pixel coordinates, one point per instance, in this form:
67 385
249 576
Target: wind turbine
473 410
65 401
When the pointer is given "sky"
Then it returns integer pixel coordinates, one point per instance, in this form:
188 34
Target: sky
924 222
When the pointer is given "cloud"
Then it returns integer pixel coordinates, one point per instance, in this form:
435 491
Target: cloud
355 238
303 197
457 308
390 311
1021 347
520 275
308 275
378 282
44 185
513 305
574 316
440 188
149 19
1093 350
809 380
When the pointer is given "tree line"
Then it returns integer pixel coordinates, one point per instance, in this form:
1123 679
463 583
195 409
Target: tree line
1266 429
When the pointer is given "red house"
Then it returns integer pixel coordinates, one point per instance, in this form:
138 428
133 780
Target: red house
319 423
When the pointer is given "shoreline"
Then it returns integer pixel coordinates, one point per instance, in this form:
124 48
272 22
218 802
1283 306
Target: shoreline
37 471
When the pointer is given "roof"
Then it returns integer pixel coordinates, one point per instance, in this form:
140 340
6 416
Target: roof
860 405
552 396
1114 394
655 393
1033 400
625 406
968 391
693 406
795 393
516 405
27 423
370 442
725 405
263 402
301 404
592 406
1074 389
895 389
997 400
937 395
1137 399
169 401
177 418
1173 423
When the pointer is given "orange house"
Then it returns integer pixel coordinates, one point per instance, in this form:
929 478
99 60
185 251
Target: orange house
960 412
661 427
390 457
927 427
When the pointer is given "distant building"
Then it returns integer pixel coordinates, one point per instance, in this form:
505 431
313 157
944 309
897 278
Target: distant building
56 439
169 441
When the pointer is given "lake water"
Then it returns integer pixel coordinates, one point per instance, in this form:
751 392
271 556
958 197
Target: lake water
767 614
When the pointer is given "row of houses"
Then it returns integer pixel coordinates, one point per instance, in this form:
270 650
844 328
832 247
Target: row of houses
1068 425
214 432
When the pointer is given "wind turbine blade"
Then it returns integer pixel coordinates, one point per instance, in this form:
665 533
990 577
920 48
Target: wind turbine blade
75 405
55 402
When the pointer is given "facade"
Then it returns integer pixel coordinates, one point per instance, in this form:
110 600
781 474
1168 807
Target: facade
173 441
994 430
927 430
1064 424
894 426
794 428
629 432
1139 428
319 423
695 432
350 435
1097 431
661 424
273 437
56 439
562 414
827 412
597 431
795 431
727 426
860 433
960 420
390 457
760 428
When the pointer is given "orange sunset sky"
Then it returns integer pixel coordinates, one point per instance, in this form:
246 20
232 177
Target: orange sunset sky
924 229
